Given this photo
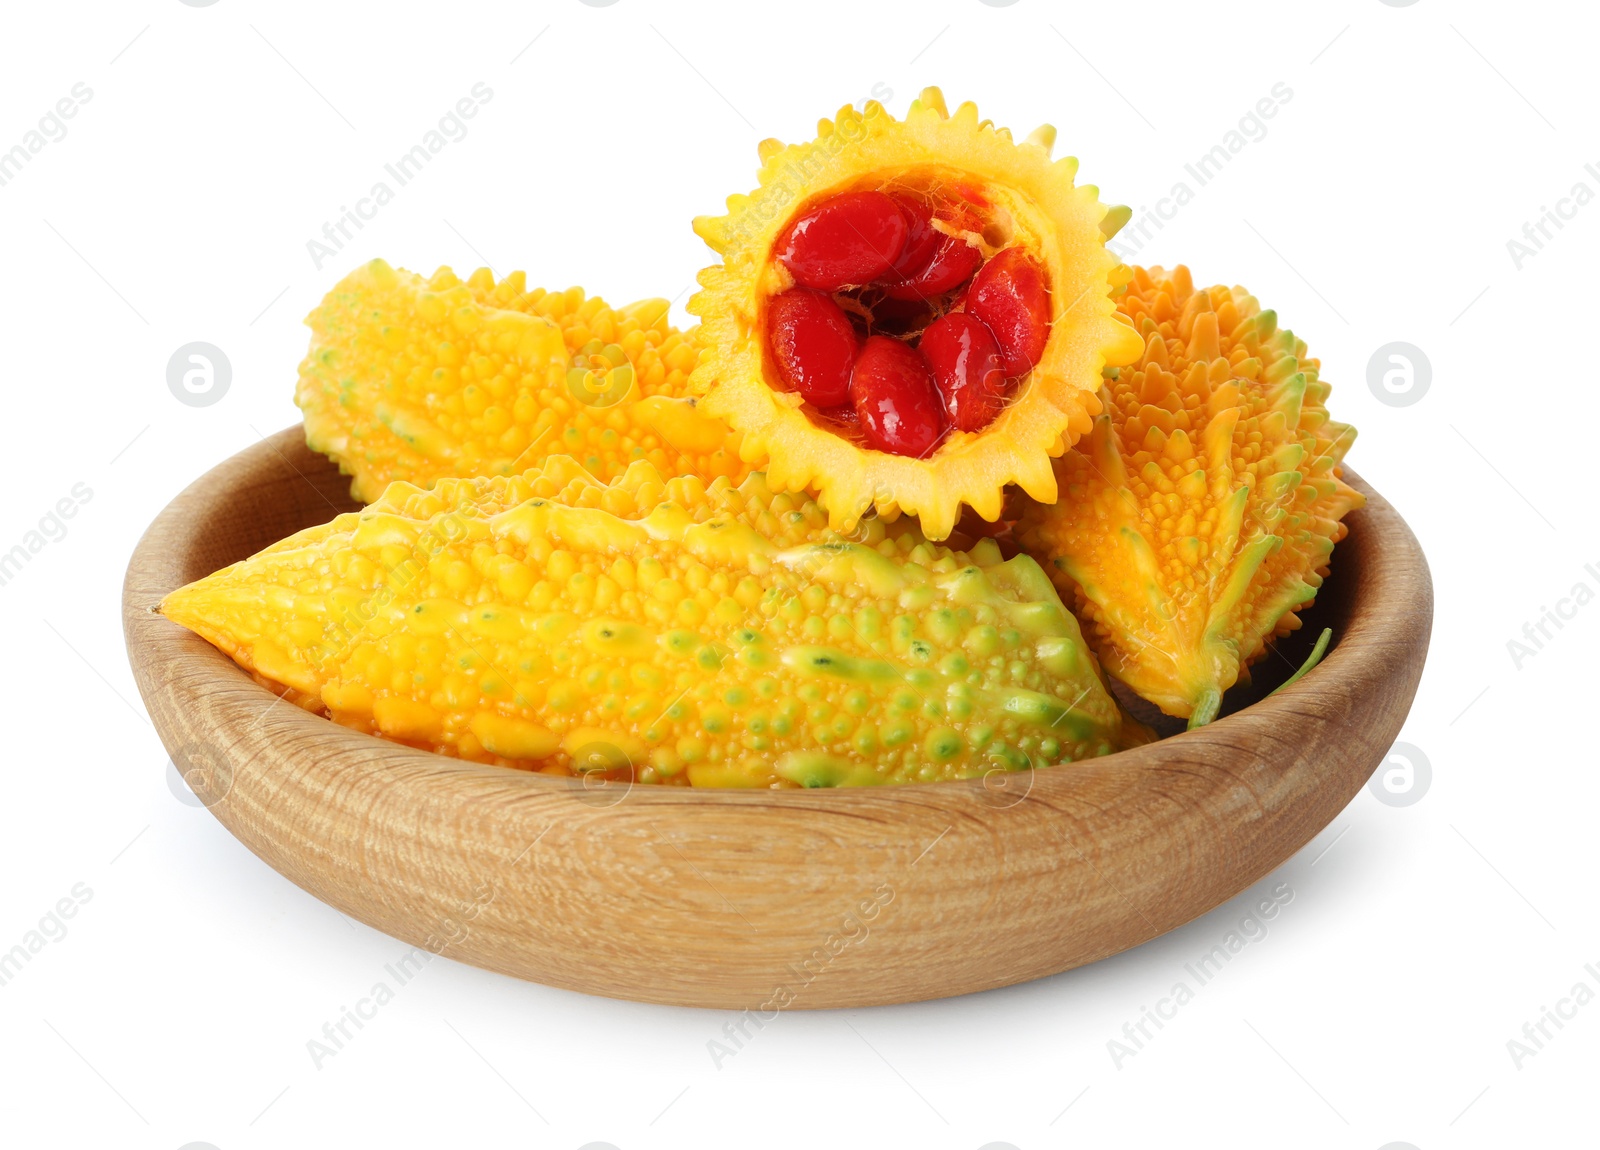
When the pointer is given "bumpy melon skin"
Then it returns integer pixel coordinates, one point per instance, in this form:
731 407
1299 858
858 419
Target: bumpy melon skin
1062 225
665 630
412 379
1200 514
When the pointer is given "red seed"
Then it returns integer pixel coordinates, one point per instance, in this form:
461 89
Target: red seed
922 239
894 398
965 362
934 262
1009 294
845 240
813 344
949 268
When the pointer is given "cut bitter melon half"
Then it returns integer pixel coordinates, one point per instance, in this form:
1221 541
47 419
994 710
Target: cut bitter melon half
1199 516
663 631
418 379
910 314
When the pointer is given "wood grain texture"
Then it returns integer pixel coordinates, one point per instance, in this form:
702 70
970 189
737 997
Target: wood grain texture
808 898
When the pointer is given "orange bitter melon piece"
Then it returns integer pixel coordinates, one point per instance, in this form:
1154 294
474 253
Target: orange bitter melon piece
665 630
999 197
1199 516
418 379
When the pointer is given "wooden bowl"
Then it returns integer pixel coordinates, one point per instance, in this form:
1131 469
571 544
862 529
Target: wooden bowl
765 899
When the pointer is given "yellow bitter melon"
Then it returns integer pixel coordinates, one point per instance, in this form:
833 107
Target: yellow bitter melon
1200 514
1003 198
663 630
419 379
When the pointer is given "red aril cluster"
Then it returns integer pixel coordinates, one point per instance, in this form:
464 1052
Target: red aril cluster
899 325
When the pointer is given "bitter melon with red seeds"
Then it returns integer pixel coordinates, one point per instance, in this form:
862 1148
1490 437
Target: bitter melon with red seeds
974 277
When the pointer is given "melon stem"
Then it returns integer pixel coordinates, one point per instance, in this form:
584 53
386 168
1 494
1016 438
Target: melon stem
1205 708
1311 660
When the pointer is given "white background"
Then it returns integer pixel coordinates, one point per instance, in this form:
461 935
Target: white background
1377 207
